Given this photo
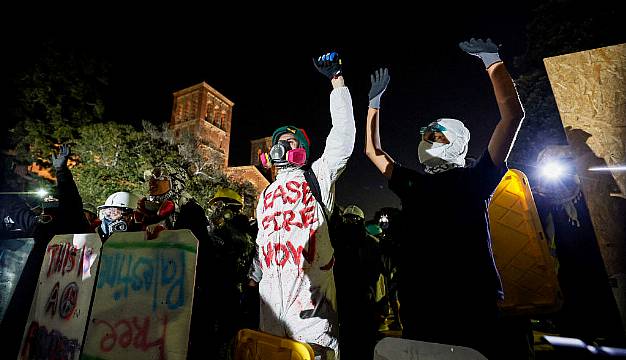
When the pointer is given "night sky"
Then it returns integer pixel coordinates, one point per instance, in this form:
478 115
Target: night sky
264 66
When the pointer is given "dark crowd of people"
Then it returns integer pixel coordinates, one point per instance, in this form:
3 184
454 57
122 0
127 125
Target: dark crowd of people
226 239
310 270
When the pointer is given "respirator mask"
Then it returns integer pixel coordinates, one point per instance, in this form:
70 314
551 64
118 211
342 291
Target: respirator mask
281 154
118 225
115 219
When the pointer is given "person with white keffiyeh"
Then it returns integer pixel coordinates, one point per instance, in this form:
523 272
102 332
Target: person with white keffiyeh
450 285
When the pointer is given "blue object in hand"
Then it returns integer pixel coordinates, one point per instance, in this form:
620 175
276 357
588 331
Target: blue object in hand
328 64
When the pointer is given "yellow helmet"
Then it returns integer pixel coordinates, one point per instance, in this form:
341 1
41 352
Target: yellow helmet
228 196
354 210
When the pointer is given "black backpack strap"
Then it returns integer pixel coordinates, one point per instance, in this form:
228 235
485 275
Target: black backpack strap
310 178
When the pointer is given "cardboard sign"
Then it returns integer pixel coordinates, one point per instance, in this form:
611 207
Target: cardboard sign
60 307
143 299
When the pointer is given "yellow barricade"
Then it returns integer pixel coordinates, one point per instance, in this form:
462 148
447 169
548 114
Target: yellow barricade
256 345
521 250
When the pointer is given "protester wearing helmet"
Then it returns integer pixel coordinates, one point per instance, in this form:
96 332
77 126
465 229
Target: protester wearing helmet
353 214
157 211
230 251
445 201
224 206
293 236
116 214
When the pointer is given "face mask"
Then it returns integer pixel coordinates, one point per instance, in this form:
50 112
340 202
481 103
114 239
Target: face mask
281 154
110 226
429 153
445 156
221 213
118 225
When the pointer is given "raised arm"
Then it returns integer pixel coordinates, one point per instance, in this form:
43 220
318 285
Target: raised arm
373 149
511 110
340 140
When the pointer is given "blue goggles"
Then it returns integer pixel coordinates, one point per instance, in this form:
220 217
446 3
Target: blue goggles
432 127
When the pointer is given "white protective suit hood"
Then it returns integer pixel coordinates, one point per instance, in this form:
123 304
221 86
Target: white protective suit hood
437 157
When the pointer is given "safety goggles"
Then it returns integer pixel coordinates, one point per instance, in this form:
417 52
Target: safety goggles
432 127
157 173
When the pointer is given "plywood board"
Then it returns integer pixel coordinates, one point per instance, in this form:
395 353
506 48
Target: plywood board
590 91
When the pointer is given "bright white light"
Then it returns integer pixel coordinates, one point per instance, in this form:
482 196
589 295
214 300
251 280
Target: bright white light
552 170
42 193
608 168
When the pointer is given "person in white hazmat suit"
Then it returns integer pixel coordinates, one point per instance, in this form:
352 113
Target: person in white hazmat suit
297 287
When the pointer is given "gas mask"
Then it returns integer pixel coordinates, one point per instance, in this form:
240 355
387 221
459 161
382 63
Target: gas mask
115 219
221 213
118 225
281 154
109 226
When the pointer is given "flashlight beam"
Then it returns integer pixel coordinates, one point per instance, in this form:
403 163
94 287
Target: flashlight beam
18 192
608 168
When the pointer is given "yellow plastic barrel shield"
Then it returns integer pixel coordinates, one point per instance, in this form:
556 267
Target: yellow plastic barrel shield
252 345
521 250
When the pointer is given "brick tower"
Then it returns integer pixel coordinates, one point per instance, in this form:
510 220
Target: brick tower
207 114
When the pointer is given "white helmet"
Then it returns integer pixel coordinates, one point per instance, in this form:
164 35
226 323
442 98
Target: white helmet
121 199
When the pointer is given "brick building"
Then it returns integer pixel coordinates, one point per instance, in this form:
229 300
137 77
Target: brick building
207 115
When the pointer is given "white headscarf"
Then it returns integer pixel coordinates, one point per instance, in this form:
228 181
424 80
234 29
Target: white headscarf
438 157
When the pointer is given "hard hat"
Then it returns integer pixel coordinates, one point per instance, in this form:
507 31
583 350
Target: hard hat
121 199
354 210
228 196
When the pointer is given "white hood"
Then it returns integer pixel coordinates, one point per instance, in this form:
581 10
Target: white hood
434 154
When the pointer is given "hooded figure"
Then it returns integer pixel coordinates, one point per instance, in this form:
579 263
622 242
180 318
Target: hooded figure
441 156
297 287
449 286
